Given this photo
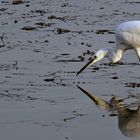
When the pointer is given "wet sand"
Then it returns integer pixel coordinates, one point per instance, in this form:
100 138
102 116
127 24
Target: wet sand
42 46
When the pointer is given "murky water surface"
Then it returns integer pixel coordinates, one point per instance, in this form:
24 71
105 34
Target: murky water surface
43 43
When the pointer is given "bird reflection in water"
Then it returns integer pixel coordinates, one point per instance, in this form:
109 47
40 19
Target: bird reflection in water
128 119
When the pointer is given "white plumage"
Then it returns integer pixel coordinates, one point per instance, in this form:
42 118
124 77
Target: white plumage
127 37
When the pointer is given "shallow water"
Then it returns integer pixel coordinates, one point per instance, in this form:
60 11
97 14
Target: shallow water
39 98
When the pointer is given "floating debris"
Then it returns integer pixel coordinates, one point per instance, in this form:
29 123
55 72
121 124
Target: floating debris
70 60
15 2
104 31
88 52
82 58
40 11
62 18
115 77
132 85
119 63
65 54
28 28
62 31
74 115
3 9
43 24
1 37
111 42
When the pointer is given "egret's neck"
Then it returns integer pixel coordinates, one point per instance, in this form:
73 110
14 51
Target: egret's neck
115 54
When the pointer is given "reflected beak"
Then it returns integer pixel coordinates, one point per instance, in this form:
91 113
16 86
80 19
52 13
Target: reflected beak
87 93
88 64
101 103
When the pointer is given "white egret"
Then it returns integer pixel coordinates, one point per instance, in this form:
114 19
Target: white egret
127 37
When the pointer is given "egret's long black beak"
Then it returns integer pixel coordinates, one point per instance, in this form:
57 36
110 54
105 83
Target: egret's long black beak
88 64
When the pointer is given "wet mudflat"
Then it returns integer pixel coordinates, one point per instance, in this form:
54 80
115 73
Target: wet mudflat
42 46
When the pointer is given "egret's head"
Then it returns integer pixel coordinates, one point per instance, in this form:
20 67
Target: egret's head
99 55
